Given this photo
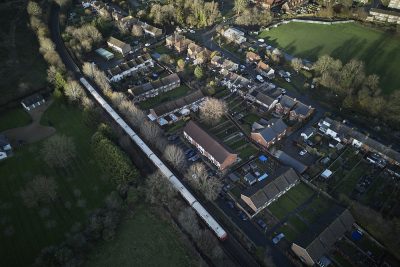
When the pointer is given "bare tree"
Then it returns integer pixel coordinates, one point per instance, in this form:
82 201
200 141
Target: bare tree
134 115
212 110
297 64
150 131
159 190
58 151
189 222
117 98
175 156
137 30
34 9
40 189
92 71
74 91
199 179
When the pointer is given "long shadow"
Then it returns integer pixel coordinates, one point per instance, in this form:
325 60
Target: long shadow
349 49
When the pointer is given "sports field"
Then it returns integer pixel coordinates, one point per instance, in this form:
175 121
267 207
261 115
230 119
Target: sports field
379 50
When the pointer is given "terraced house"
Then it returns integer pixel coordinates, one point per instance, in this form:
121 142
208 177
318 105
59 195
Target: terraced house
273 132
119 46
129 67
269 190
152 89
220 155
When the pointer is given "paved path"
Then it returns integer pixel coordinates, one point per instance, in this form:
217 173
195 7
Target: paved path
33 132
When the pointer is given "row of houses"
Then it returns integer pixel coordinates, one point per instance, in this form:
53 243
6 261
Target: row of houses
219 154
223 63
174 110
283 105
347 135
119 46
261 195
128 67
153 88
234 81
384 16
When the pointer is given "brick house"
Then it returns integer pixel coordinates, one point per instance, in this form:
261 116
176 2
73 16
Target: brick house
252 57
199 54
119 46
273 132
285 104
300 112
220 155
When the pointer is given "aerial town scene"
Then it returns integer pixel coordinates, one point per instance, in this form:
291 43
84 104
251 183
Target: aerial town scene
200 133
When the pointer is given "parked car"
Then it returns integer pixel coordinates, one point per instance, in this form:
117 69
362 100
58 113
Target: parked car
146 44
188 151
172 137
303 152
191 154
262 224
230 204
243 216
278 238
195 158
259 78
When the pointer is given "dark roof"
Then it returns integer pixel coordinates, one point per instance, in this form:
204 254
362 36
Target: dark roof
302 109
309 130
287 102
290 161
179 103
263 98
209 143
274 128
33 99
140 89
324 232
268 189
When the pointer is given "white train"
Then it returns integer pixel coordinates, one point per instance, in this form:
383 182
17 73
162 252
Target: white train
201 211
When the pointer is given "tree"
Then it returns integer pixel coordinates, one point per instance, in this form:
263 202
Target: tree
181 64
325 63
34 9
74 91
197 176
212 110
198 72
240 6
40 190
165 58
99 77
297 64
150 131
188 220
159 190
133 114
157 14
175 156
58 151
137 30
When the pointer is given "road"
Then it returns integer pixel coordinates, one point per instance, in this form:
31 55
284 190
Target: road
231 246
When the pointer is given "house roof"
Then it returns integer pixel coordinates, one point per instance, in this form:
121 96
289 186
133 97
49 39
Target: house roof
262 97
324 232
178 103
274 128
287 101
33 99
386 12
263 66
268 189
217 150
290 161
3 141
252 56
302 109
116 42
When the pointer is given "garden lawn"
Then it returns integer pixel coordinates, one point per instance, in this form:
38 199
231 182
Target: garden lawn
379 50
81 189
350 181
165 97
13 118
142 240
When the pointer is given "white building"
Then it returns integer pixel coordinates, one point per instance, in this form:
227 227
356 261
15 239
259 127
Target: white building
33 101
234 35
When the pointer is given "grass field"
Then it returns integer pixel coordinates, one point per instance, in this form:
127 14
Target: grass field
379 50
81 188
13 118
23 69
142 240
164 97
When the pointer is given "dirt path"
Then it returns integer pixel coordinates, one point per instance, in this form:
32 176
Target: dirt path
33 132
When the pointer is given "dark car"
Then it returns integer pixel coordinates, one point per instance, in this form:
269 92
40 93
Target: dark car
191 154
188 151
262 224
230 204
243 216
195 158
173 137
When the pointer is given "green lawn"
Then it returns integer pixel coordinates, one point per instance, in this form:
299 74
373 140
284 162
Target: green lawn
247 152
164 97
23 69
379 50
143 240
13 118
81 188
351 179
